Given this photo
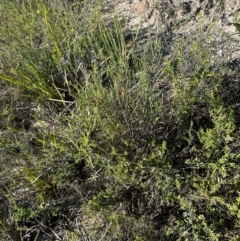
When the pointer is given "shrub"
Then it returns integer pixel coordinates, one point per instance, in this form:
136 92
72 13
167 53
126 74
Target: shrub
113 149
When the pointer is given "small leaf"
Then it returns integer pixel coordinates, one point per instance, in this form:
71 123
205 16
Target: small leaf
237 26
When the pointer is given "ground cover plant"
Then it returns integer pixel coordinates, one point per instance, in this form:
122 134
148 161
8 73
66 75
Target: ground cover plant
103 138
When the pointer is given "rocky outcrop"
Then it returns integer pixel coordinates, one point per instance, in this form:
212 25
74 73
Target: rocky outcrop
170 19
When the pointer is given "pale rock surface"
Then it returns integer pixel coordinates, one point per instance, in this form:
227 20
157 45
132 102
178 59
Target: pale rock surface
173 18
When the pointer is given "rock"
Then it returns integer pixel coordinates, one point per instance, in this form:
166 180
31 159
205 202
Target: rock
210 20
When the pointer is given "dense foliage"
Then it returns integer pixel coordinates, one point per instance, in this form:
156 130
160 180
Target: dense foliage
104 138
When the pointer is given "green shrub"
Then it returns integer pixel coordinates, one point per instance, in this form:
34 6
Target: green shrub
114 149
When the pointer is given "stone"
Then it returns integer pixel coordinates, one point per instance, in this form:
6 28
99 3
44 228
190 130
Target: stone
209 20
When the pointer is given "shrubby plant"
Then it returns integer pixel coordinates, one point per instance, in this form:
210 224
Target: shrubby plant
116 142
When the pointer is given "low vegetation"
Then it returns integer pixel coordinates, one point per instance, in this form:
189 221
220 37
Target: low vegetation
104 138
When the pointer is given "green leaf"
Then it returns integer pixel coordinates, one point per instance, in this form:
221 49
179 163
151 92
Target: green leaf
237 26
